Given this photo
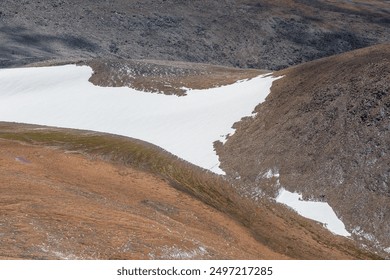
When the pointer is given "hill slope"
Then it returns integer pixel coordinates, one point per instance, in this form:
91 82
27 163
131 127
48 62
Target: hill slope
66 205
325 129
79 194
261 34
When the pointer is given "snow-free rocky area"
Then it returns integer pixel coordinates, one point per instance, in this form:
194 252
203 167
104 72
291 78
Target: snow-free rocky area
186 126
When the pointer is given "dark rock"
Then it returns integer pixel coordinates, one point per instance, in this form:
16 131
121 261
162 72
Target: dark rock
249 34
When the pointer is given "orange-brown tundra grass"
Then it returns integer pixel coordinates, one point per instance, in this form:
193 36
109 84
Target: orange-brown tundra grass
78 194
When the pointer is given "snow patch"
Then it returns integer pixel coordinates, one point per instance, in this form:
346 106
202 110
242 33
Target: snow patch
22 160
271 174
318 211
186 126
175 253
57 254
366 235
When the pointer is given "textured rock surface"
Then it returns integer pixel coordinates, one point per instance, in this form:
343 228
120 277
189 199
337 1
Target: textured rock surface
251 33
325 129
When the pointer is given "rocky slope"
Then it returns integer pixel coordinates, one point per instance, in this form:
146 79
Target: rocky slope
261 34
325 129
167 77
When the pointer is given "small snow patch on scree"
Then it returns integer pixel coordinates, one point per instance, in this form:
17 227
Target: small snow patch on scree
271 174
186 126
22 160
318 211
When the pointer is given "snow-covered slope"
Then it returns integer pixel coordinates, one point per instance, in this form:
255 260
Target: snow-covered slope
315 210
185 126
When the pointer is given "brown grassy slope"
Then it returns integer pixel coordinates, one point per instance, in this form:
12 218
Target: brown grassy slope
121 198
57 205
325 127
168 77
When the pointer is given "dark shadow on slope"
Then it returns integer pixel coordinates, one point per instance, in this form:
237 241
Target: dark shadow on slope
20 45
322 43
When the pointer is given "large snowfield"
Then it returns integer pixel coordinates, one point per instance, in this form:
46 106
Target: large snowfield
186 126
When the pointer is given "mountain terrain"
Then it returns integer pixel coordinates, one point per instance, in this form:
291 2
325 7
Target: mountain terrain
274 230
84 195
260 34
325 129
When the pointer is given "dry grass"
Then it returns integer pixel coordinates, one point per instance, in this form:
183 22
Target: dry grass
272 225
